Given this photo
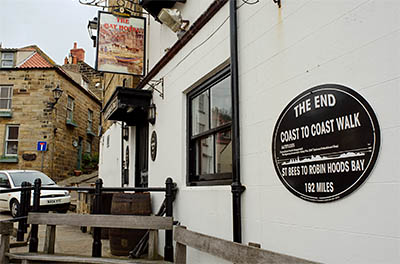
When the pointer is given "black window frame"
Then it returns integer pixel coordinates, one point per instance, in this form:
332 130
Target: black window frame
208 179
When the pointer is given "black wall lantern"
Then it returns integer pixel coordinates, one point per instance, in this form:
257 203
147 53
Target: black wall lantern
278 2
152 114
92 27
57 92
125 132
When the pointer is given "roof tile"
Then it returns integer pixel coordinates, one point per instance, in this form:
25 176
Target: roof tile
36 61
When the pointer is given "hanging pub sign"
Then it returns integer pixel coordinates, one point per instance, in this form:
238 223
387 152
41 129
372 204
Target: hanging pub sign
325 143
121 44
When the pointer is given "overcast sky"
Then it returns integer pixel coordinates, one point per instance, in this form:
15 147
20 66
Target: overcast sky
52 25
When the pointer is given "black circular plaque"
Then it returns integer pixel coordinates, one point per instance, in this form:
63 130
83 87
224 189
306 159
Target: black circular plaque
153 145
325 143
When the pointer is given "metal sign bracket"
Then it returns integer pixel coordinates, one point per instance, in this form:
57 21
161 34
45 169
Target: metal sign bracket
154 83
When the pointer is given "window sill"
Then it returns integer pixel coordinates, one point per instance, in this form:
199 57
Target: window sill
8 159
5 113
90 133
71 123
209 182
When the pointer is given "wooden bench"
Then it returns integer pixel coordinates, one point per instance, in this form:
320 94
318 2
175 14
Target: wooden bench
152 223
227 250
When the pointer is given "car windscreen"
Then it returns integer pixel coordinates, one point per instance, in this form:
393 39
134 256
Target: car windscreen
30 176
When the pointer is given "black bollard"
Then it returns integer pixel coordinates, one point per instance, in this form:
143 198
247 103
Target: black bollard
28 205
21 212
96 247
169 198
34 241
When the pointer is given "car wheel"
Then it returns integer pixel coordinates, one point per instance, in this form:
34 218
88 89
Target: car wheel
14 208
62 211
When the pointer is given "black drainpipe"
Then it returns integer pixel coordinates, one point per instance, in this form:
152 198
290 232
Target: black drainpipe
122 154
237 187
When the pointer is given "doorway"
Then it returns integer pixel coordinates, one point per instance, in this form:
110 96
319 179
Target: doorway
141 157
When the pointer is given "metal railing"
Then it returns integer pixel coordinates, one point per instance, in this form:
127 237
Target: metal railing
25 207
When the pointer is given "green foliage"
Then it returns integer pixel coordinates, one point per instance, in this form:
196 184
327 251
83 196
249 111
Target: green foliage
86 159
90 162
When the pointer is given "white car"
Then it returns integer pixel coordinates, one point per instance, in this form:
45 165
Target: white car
50 200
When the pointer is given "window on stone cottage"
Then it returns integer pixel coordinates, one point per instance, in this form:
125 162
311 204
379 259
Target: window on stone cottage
7 59
209 132
90 121
88 147
5 97
11 144
70 109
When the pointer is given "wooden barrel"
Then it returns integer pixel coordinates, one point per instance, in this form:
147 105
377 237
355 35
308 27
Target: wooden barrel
106 199
122 241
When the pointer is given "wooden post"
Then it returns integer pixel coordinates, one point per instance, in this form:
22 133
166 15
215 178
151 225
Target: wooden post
180 252
50 239
153 244
34 241
5 231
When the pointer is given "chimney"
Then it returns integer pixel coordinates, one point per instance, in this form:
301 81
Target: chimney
65 60
77 54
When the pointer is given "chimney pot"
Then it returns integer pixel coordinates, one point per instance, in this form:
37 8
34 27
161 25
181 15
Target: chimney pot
75 45
65 60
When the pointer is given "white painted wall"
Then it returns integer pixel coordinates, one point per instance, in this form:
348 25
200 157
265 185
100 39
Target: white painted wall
283 52
110 156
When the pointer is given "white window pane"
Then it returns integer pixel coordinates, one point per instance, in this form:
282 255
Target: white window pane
4 104
12 147
70 103
88 147
7 56
223 152
4 92
69 115
200 113
221 103
6 64
205 156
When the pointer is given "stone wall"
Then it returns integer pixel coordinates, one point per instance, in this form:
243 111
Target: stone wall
32 90
80 71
